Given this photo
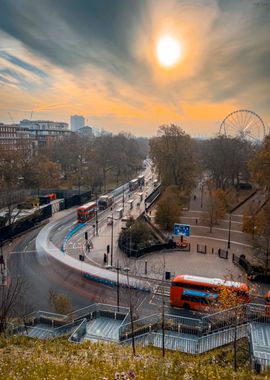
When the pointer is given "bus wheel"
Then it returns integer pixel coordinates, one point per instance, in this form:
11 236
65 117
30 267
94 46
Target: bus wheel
186 306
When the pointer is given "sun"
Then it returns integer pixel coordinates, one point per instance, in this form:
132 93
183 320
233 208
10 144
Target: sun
169 51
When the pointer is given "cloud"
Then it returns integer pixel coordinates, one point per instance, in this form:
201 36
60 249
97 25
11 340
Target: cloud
97 58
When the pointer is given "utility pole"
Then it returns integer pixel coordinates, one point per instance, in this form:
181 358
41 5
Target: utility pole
163 323
117 269
2 265
96 215
112 242
202 195
229 234
123 197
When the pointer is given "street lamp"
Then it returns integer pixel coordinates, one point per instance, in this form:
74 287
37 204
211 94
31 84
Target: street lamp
2 265
202 195
96 216
229 234
112 242
110 220
117 269
123 197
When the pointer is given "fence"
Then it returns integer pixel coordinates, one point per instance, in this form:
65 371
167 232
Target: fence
222 253
24 224
150 200
201 248
208 325
98 309
131 252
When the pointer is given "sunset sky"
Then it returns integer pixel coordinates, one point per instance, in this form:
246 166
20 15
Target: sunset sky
98 58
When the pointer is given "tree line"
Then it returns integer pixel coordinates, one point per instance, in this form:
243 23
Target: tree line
74 162
222 166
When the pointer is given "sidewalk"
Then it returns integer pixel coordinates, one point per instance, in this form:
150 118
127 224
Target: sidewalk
155 264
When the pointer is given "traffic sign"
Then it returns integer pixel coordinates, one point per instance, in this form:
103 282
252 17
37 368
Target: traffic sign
181 229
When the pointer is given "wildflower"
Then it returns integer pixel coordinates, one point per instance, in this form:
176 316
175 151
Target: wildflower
131 374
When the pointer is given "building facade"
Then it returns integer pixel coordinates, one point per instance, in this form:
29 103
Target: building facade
44 131
77 122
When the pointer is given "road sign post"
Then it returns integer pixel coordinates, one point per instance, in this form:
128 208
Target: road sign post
181 229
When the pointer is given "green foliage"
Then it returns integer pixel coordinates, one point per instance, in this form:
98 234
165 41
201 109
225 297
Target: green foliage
139 233
169 208
30 359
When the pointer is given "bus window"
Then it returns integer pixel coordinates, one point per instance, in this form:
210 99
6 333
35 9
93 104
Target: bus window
182 283
267 298
192 299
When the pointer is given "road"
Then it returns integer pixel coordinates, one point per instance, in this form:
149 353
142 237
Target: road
43 273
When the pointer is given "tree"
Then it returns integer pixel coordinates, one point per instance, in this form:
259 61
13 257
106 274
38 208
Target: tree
226 159
59 302
10 197
168 209
260 165
172 154
11 295
231 305
262 239
139 231
41 172
215 204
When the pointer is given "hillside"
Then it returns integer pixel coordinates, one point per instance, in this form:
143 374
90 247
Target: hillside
26 358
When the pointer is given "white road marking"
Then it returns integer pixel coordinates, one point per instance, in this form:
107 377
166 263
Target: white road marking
225 240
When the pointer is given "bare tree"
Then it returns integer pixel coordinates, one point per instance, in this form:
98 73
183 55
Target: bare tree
132 297
11 300
10 197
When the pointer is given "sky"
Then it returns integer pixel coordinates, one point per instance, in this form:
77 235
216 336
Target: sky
98 58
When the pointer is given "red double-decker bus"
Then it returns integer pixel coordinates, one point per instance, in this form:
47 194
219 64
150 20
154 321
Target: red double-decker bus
195 293
86 212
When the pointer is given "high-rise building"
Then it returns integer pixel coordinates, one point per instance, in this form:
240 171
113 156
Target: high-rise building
76 122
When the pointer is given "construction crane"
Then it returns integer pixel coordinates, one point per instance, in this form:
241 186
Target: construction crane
11 118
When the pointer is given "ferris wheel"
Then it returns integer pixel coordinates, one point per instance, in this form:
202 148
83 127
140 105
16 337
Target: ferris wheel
244 124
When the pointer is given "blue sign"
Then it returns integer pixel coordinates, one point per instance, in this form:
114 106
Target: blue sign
181 229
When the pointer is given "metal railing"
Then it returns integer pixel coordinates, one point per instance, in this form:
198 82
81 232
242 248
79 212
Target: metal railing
153 322
39 315
79 332
94 310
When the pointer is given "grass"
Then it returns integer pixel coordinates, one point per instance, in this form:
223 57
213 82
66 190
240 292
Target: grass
26 358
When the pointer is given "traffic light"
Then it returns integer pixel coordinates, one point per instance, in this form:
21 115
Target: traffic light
86 235
108 248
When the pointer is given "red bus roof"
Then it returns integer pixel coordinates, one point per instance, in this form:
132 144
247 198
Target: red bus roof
87 206
189 279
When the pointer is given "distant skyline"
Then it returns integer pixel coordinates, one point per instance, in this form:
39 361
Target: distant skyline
98 58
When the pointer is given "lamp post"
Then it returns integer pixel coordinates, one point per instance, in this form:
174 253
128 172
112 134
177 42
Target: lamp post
96 216
123 197
229 234
202 195
117 269
2 265
112 242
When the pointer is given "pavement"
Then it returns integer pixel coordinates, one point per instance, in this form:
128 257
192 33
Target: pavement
155 264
